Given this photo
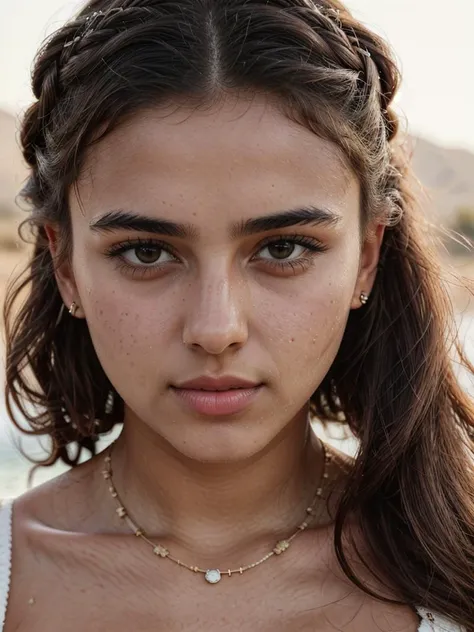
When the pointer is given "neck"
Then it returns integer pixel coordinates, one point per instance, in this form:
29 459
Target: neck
216 507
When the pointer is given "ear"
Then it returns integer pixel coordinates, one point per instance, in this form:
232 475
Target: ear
63 272
369 260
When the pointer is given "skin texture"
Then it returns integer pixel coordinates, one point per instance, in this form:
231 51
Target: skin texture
215 491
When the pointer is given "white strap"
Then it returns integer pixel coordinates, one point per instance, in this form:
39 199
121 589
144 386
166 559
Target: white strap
6 507
434 622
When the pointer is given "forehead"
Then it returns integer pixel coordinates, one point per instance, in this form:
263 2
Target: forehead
242 148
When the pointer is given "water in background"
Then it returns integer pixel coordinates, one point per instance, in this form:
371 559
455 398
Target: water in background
14 467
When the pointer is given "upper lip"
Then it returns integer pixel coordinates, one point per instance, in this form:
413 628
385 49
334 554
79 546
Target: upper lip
222 383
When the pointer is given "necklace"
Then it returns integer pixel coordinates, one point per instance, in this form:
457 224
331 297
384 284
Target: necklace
212 576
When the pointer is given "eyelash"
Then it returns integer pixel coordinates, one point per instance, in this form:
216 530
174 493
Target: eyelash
313 247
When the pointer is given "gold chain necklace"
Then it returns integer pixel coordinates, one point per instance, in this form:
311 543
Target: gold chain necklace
212 575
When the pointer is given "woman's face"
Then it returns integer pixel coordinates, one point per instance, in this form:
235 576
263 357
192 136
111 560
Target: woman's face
268 303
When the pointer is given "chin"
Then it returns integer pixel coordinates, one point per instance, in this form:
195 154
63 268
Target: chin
219 442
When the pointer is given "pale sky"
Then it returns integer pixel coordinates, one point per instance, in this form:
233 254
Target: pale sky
432 38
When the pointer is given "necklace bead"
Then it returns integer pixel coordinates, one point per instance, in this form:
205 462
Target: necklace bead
212 576
281 546
161 551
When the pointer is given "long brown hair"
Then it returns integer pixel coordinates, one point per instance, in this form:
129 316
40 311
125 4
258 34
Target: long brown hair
412 485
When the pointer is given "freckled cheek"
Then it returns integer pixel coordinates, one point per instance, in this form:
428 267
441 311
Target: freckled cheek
306 330
127 330
315 324
321 307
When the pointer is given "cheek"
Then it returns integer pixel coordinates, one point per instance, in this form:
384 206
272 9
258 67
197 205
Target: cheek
305 327
116 317
313 321
128 331
120 314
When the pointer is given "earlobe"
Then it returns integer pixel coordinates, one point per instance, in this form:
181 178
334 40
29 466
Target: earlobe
73 308
62 268
360 301
73 311
370 256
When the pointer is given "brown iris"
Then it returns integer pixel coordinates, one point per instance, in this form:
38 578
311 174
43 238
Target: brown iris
281 249
146 254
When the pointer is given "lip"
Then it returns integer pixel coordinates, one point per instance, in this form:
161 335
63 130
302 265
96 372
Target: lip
213 403
223 383
224 395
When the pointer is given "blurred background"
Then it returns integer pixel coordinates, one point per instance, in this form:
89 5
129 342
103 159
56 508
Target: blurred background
435 103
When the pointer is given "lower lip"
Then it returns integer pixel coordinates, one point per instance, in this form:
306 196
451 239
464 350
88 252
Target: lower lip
218 402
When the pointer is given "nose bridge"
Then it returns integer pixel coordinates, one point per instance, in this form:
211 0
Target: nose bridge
216 313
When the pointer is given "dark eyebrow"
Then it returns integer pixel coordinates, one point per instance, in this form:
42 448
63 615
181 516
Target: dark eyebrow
128 220
304 216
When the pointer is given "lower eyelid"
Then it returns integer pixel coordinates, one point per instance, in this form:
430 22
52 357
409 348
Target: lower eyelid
312 248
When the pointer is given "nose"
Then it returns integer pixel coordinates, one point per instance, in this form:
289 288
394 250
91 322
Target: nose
215 316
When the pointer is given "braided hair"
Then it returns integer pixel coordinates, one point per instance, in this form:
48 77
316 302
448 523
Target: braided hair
392 381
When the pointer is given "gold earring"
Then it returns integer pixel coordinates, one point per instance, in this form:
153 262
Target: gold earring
73 308
363 298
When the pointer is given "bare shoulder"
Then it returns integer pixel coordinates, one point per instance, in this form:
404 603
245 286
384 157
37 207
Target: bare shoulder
45 517
59 502
344 605
53 526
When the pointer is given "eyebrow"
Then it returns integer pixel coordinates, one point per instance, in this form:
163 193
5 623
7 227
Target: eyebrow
121 219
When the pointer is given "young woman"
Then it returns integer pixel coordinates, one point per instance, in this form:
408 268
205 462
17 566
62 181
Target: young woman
219 201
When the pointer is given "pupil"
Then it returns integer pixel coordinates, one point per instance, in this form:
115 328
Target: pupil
282 249
146 254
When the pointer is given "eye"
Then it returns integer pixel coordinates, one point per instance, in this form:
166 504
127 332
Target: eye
282 248
141 253
144 256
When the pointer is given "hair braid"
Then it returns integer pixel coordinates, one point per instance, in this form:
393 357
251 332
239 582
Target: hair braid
375 58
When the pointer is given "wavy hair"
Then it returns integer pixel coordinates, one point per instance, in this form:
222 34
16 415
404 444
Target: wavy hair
411 489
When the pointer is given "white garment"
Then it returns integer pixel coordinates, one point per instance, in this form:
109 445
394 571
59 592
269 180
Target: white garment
430 621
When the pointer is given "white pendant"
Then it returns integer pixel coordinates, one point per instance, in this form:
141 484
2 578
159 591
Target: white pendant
213 576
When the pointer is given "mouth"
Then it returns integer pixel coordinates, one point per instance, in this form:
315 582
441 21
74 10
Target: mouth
215 390
217 401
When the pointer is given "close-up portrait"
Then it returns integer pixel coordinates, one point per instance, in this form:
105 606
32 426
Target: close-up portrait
237 330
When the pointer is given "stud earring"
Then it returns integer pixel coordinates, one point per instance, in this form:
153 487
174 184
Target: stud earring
363 298
73 308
